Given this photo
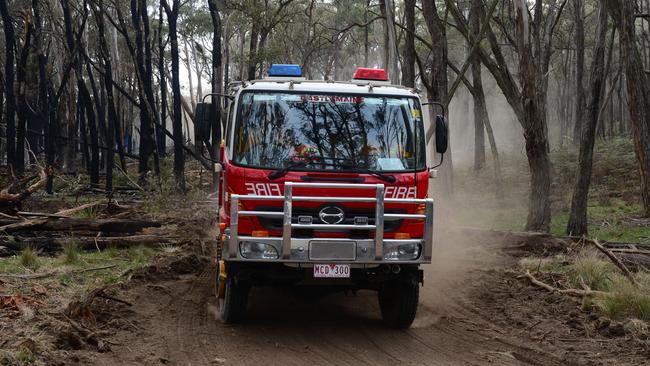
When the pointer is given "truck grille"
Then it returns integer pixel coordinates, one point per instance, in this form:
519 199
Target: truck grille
275 224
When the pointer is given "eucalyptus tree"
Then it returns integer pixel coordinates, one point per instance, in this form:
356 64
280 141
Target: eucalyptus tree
530 34
623 12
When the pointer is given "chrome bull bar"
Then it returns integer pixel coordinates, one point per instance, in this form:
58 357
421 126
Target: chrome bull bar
233 237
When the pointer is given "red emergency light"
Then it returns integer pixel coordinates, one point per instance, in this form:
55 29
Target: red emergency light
366 73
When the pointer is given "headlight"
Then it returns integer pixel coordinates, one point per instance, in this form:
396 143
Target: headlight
402 252
257 250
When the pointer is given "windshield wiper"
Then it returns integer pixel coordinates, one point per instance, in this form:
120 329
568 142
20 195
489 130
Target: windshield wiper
349 165
380 175
282 172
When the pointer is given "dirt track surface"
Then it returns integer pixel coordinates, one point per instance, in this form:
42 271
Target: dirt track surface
468 316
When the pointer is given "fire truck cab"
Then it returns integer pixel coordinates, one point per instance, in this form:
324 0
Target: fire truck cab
324 186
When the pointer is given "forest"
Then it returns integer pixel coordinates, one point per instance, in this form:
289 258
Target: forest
88 86
103 144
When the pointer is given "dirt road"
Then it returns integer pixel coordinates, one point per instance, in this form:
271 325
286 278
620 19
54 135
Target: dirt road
175 322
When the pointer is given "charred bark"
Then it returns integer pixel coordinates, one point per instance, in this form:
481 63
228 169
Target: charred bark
177 123
10 110
160 132
216 88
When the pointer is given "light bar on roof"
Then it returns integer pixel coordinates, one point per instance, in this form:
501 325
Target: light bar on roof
285 70
365 73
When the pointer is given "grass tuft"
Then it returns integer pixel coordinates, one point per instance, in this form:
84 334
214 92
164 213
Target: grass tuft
71 252
29 258
590 269
627 300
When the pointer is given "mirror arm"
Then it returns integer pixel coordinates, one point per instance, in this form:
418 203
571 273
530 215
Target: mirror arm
231 97
442 106
442 158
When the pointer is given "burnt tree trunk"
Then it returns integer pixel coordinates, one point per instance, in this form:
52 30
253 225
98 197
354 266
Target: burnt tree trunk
23 110
577 225
160 131
215 113
10 74
145 145
110 99
177 123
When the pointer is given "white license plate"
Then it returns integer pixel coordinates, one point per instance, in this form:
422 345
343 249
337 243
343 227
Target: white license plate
332 270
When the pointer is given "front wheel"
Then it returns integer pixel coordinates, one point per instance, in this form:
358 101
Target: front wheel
398 302
233 300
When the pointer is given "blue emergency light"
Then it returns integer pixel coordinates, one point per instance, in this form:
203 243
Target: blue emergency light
285 70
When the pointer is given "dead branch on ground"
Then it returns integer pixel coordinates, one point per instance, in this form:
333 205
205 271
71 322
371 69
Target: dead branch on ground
570 292
615 259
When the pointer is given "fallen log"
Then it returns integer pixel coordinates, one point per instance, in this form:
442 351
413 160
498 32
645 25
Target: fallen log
78 224
55 245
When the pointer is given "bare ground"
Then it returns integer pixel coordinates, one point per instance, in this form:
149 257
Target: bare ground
474 311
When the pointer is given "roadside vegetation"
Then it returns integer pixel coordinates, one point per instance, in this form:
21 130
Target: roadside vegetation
590 271
614 209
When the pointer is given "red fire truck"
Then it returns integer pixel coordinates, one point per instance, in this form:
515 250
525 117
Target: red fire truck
324 186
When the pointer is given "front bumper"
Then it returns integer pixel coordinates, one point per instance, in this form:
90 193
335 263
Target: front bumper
305 251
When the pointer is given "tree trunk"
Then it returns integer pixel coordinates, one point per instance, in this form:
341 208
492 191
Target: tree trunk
408 67
23 110
138 7
438 84
110 100
10 110
177 124
577 225
252 49
480 108
160 132
148 82
578 12
392 43
638 91
534 123
216 88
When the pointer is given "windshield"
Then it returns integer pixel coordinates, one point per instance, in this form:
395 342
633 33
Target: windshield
329 132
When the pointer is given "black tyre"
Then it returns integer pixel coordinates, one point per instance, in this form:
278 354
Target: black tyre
232 306
398 302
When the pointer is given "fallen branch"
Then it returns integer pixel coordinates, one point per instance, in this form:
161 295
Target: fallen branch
15 198
74 210
631 251
570 292
42 214
615 259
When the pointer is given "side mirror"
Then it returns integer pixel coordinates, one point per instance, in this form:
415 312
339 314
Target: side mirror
442 134
202 121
